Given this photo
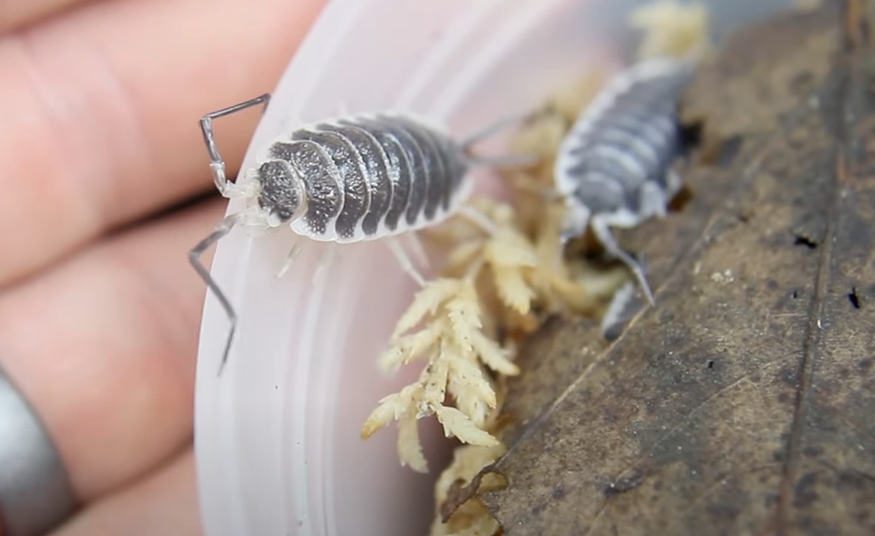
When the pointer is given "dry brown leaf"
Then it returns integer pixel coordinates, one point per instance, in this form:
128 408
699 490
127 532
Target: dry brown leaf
472 517
549 279
742 403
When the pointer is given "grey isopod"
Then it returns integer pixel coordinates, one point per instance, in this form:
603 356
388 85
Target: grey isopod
614 167
362 177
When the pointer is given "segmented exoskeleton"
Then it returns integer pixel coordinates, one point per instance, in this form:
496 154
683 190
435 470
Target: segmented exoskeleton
614 166
363 177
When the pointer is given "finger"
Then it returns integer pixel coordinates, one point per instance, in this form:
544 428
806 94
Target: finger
104 346
163 503
15 13
100 111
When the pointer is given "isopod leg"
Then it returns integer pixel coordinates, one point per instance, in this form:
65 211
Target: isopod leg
508 160
505 160
417 249
478 218
194 257
489 130
342 109
606 238
291 256
329 250
404 260
217 164
653 200
674 183
619 311
529 185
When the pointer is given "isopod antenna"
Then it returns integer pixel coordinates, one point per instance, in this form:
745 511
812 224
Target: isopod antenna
217 164
227 189
503 160
194 256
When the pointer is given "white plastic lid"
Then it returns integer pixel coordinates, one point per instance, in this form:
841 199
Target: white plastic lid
277 436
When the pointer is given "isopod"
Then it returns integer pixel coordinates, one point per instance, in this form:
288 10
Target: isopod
614 167
349 179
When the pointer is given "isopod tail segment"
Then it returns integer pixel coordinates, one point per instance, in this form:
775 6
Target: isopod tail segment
258 218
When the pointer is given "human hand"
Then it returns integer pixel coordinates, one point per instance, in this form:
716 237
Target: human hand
99 307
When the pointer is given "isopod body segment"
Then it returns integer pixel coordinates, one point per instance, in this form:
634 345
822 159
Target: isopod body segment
361 178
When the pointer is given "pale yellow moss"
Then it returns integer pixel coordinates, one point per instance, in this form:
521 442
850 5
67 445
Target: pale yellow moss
458 354
672 28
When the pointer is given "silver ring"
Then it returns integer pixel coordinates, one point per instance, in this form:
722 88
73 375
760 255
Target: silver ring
35 491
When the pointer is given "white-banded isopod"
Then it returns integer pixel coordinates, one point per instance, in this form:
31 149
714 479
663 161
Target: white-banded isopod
364 177
614 167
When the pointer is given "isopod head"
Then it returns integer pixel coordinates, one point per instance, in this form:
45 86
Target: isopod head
282 196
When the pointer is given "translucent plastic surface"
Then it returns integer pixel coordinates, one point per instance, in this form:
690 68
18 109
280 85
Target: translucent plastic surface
277 436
